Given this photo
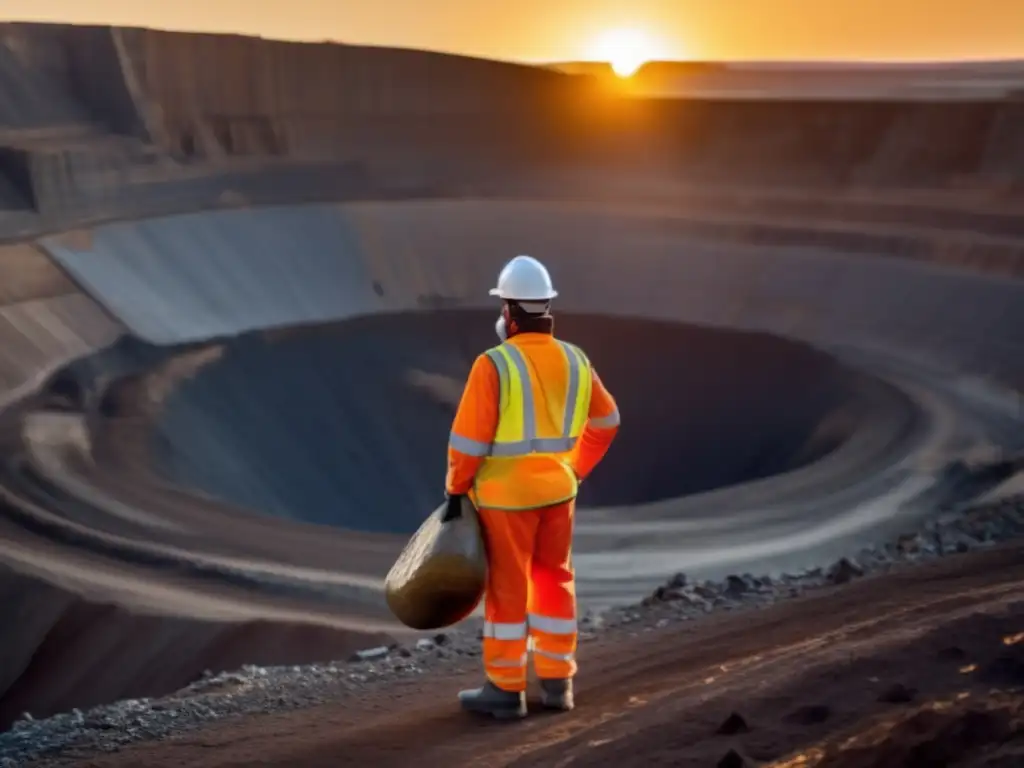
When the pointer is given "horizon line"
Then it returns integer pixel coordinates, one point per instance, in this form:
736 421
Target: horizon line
545 62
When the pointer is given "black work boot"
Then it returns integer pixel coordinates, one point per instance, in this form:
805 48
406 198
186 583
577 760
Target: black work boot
557 694
492 700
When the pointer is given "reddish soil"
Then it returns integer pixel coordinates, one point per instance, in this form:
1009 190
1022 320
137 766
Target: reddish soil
921 668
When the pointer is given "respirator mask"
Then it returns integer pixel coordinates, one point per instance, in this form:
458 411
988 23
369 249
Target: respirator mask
500 329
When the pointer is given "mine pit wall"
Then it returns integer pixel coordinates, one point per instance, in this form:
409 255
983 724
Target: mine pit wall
45 321
272 98
473 116
203 276
102 123
71 650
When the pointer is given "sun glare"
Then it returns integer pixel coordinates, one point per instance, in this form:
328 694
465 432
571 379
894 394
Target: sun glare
626 50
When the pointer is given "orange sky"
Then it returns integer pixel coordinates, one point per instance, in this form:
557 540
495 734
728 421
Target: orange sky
538 30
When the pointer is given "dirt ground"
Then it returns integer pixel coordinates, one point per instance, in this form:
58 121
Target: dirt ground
922 668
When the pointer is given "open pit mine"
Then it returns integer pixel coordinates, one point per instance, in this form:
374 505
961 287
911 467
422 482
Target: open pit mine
242 283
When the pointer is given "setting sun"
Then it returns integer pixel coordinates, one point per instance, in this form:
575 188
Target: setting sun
626 50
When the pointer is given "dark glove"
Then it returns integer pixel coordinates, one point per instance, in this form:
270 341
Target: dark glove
454 509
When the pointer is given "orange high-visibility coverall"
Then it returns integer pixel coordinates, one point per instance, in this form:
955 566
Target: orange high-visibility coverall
526 509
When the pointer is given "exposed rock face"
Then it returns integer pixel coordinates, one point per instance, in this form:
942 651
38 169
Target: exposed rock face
109 108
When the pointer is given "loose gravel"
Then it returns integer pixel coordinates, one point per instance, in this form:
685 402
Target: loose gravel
257 690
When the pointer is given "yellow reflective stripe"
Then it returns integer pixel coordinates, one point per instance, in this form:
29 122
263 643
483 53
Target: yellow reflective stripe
516 434
572 391
551 625
501 363
581 402
521 392
504 631
607 422
468 446
512 406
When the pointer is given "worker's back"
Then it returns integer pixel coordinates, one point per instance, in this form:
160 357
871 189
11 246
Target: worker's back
559 377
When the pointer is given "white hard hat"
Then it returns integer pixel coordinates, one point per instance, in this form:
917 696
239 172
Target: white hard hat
524 279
